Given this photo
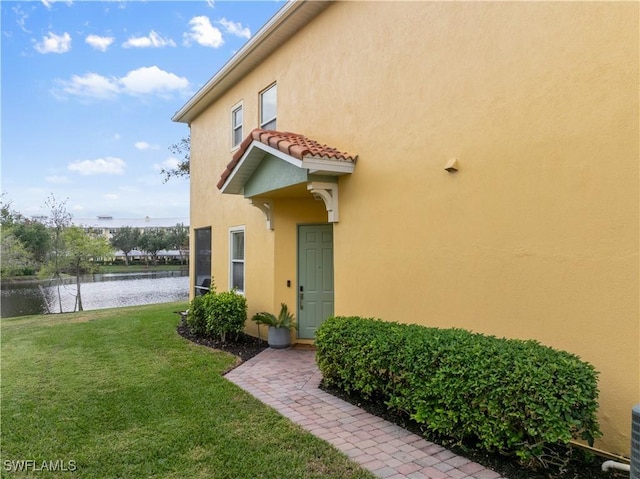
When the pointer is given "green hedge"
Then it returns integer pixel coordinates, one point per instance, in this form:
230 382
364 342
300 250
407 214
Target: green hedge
197 315
217 315
511 396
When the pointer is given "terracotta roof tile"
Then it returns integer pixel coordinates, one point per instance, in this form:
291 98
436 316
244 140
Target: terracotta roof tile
292 144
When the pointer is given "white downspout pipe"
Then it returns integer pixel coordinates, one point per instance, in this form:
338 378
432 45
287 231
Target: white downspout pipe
615 465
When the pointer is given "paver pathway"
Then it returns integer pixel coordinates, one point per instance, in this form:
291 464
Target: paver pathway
288 381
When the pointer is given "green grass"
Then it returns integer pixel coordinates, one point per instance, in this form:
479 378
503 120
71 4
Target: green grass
122 395
140 268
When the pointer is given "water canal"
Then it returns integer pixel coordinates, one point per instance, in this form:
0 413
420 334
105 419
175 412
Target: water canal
99 291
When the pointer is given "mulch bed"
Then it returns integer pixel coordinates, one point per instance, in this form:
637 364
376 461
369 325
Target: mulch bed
580 466
244 347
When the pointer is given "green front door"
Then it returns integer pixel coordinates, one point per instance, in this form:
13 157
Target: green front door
315 277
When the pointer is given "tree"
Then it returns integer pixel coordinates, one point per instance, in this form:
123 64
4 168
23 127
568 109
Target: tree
80 250
181 149
152 241
58 221
179 239
24 242
8 217
35 238
126 239
15 257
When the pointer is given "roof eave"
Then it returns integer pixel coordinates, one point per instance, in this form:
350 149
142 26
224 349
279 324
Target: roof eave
328 166
234 184
282 26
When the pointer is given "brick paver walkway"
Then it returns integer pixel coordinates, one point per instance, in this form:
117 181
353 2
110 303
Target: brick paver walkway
288 381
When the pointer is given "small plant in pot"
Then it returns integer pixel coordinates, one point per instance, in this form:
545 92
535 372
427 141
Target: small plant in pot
279 336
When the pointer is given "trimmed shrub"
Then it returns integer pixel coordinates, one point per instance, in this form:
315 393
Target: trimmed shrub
227 315
197 314
217 315
508 396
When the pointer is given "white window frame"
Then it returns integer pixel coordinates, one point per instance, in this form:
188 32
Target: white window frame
265 122
232 231
234 127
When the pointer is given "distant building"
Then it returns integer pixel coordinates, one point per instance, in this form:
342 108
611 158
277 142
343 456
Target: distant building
108 225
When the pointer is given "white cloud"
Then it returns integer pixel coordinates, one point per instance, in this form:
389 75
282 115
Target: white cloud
35 191
143 81
129 189
147 80
211 3
97 195
48 3
53 43
57 179
106 166
203 33
168 164
98 42
91 85
21 18
235 28
143 145
152 40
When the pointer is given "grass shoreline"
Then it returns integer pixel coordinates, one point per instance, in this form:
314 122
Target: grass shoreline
121 394
106 269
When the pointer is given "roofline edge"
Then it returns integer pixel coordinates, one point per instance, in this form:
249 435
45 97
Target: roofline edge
206 94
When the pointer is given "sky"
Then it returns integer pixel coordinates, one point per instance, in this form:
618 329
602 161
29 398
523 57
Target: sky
88 89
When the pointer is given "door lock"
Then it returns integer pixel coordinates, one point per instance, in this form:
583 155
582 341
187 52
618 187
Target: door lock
301 297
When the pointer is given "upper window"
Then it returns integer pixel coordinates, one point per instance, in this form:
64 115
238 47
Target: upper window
268 99
236 276
236 125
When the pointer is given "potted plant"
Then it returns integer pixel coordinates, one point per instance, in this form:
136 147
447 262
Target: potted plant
279 336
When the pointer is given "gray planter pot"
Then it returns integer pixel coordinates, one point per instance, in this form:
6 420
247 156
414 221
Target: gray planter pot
279 338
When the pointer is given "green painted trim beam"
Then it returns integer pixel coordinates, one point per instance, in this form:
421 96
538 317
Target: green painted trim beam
273 174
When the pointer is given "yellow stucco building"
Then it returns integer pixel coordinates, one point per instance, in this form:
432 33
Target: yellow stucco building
453 164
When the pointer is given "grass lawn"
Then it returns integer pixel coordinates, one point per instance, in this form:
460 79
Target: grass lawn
120 394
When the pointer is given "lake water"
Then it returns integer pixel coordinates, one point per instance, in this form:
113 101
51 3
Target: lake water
98 291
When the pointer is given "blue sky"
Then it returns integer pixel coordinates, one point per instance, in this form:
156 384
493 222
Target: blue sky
88 89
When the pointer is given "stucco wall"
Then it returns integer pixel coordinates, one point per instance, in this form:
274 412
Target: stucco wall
210 153
536 236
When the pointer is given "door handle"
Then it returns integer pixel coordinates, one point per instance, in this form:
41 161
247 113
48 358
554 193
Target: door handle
301 296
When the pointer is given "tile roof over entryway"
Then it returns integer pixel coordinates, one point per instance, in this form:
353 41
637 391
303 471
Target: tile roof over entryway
292 144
